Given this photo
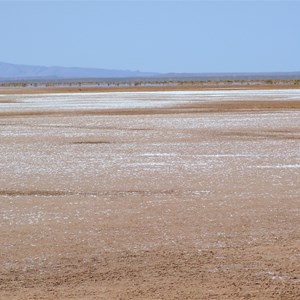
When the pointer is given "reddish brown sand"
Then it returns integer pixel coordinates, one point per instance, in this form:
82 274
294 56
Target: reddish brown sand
191 202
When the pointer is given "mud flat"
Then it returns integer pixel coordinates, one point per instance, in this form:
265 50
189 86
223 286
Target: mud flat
150 195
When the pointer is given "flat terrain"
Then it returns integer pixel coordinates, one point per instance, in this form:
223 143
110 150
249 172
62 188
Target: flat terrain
150 195
179 86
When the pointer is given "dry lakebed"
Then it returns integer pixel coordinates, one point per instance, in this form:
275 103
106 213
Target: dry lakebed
150 195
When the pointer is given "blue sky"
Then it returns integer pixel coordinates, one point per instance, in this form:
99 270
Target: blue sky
162 36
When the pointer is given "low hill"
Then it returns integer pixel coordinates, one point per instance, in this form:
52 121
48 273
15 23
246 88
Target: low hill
15 72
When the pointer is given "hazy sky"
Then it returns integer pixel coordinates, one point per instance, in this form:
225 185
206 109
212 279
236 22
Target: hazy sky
163 36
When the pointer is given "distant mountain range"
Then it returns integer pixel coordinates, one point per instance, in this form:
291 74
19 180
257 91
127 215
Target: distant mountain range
25 72
14 72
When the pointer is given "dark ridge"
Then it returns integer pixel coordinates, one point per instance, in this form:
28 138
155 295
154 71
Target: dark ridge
90 142
34 193
46 193
263 135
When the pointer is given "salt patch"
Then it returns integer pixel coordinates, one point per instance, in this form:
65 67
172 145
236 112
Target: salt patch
296 166
129 100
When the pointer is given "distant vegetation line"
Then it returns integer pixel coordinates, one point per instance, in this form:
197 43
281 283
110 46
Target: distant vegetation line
133 82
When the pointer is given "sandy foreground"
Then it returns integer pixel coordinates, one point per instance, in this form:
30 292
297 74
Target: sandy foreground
150 195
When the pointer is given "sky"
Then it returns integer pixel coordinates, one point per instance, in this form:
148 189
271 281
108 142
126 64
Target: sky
154 36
